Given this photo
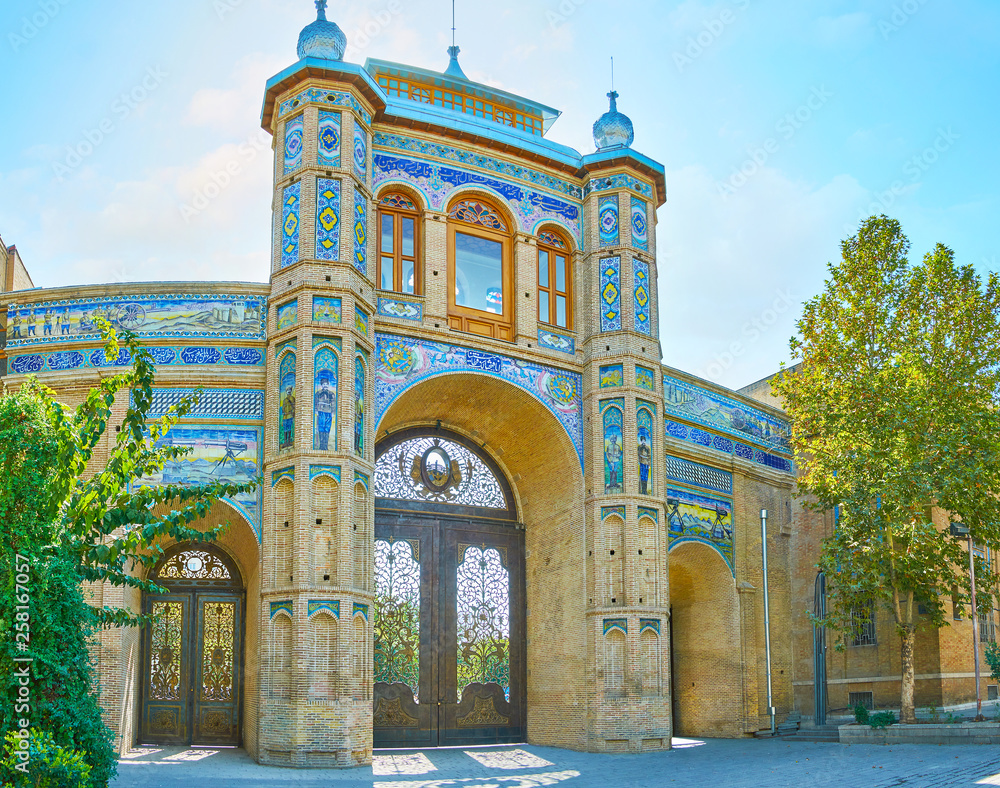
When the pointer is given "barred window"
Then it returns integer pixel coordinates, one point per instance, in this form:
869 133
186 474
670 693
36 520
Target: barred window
863 624
987 627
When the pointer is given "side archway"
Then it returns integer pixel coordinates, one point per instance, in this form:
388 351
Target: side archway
705 648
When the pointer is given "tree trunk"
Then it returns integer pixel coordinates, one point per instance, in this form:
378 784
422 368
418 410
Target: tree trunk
906 710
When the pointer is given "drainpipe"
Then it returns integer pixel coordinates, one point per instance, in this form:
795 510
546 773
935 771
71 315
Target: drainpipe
819 652
767 621
975 626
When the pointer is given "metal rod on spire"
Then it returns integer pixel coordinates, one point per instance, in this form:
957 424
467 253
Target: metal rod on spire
612 72
453 22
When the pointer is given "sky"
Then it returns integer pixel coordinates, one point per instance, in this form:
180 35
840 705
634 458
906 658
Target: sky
780 124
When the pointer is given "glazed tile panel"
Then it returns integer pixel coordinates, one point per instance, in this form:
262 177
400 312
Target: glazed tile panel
700 518
607 217
611 294
402 362
328 149
725 415
185 316
328 97
640 271
293 144
290 213
437 181
327 219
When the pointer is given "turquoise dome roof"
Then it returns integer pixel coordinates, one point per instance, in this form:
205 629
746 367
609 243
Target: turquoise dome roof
613 129
322 39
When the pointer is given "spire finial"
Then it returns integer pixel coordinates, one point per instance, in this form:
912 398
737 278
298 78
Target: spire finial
612 73
453 23
321 9
454 69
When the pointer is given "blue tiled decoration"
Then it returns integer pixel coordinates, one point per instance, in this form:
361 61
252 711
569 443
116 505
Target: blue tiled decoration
291 344
327 97
218 454
555 341
694 435
698 518
162 356
290 208
331 606
611 376
213 403
328 153
652 514
153 316
406 310
361 322
360 405
621 624
621 181
698 475
474 159
327 219
725 415
640 271
360 233
436 182
644 433
283 473
359 610
288 314
402 362
286 402
360 152
609 511
282 607
326 310
607 216
294 130
652 624
333 471
361 477
325 385
645 378
611 294
640 229
613 418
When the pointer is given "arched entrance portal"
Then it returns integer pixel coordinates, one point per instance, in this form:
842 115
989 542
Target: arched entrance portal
449 604
193 652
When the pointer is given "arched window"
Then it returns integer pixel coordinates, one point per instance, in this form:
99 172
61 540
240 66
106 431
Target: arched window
399 244
555 305
480 273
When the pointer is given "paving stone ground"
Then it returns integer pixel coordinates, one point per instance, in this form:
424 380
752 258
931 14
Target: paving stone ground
714 763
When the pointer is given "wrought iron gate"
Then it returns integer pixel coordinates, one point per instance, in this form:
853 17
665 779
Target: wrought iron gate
449 607
192 652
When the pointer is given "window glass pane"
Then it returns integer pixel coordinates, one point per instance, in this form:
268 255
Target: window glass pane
478 273
387 232
543 268
560 273
407 235
387 274
543 306
561 311
408 278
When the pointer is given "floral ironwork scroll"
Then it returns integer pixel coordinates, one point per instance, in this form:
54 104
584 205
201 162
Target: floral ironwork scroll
194 565
439 471
165 651
483 620
397 614
218 643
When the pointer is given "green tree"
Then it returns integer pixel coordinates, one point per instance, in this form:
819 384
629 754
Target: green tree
893 402
69 526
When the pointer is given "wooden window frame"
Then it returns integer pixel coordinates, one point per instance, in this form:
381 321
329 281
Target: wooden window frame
549 292
467 319
397 244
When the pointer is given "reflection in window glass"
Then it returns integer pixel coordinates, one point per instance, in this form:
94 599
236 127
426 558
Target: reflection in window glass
560 310
560 273
543 268
387 233
407 236
407 276
478 273
387 273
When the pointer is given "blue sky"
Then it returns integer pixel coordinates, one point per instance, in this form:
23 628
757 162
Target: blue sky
780 126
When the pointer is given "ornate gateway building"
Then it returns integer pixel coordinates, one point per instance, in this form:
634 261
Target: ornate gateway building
489 513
